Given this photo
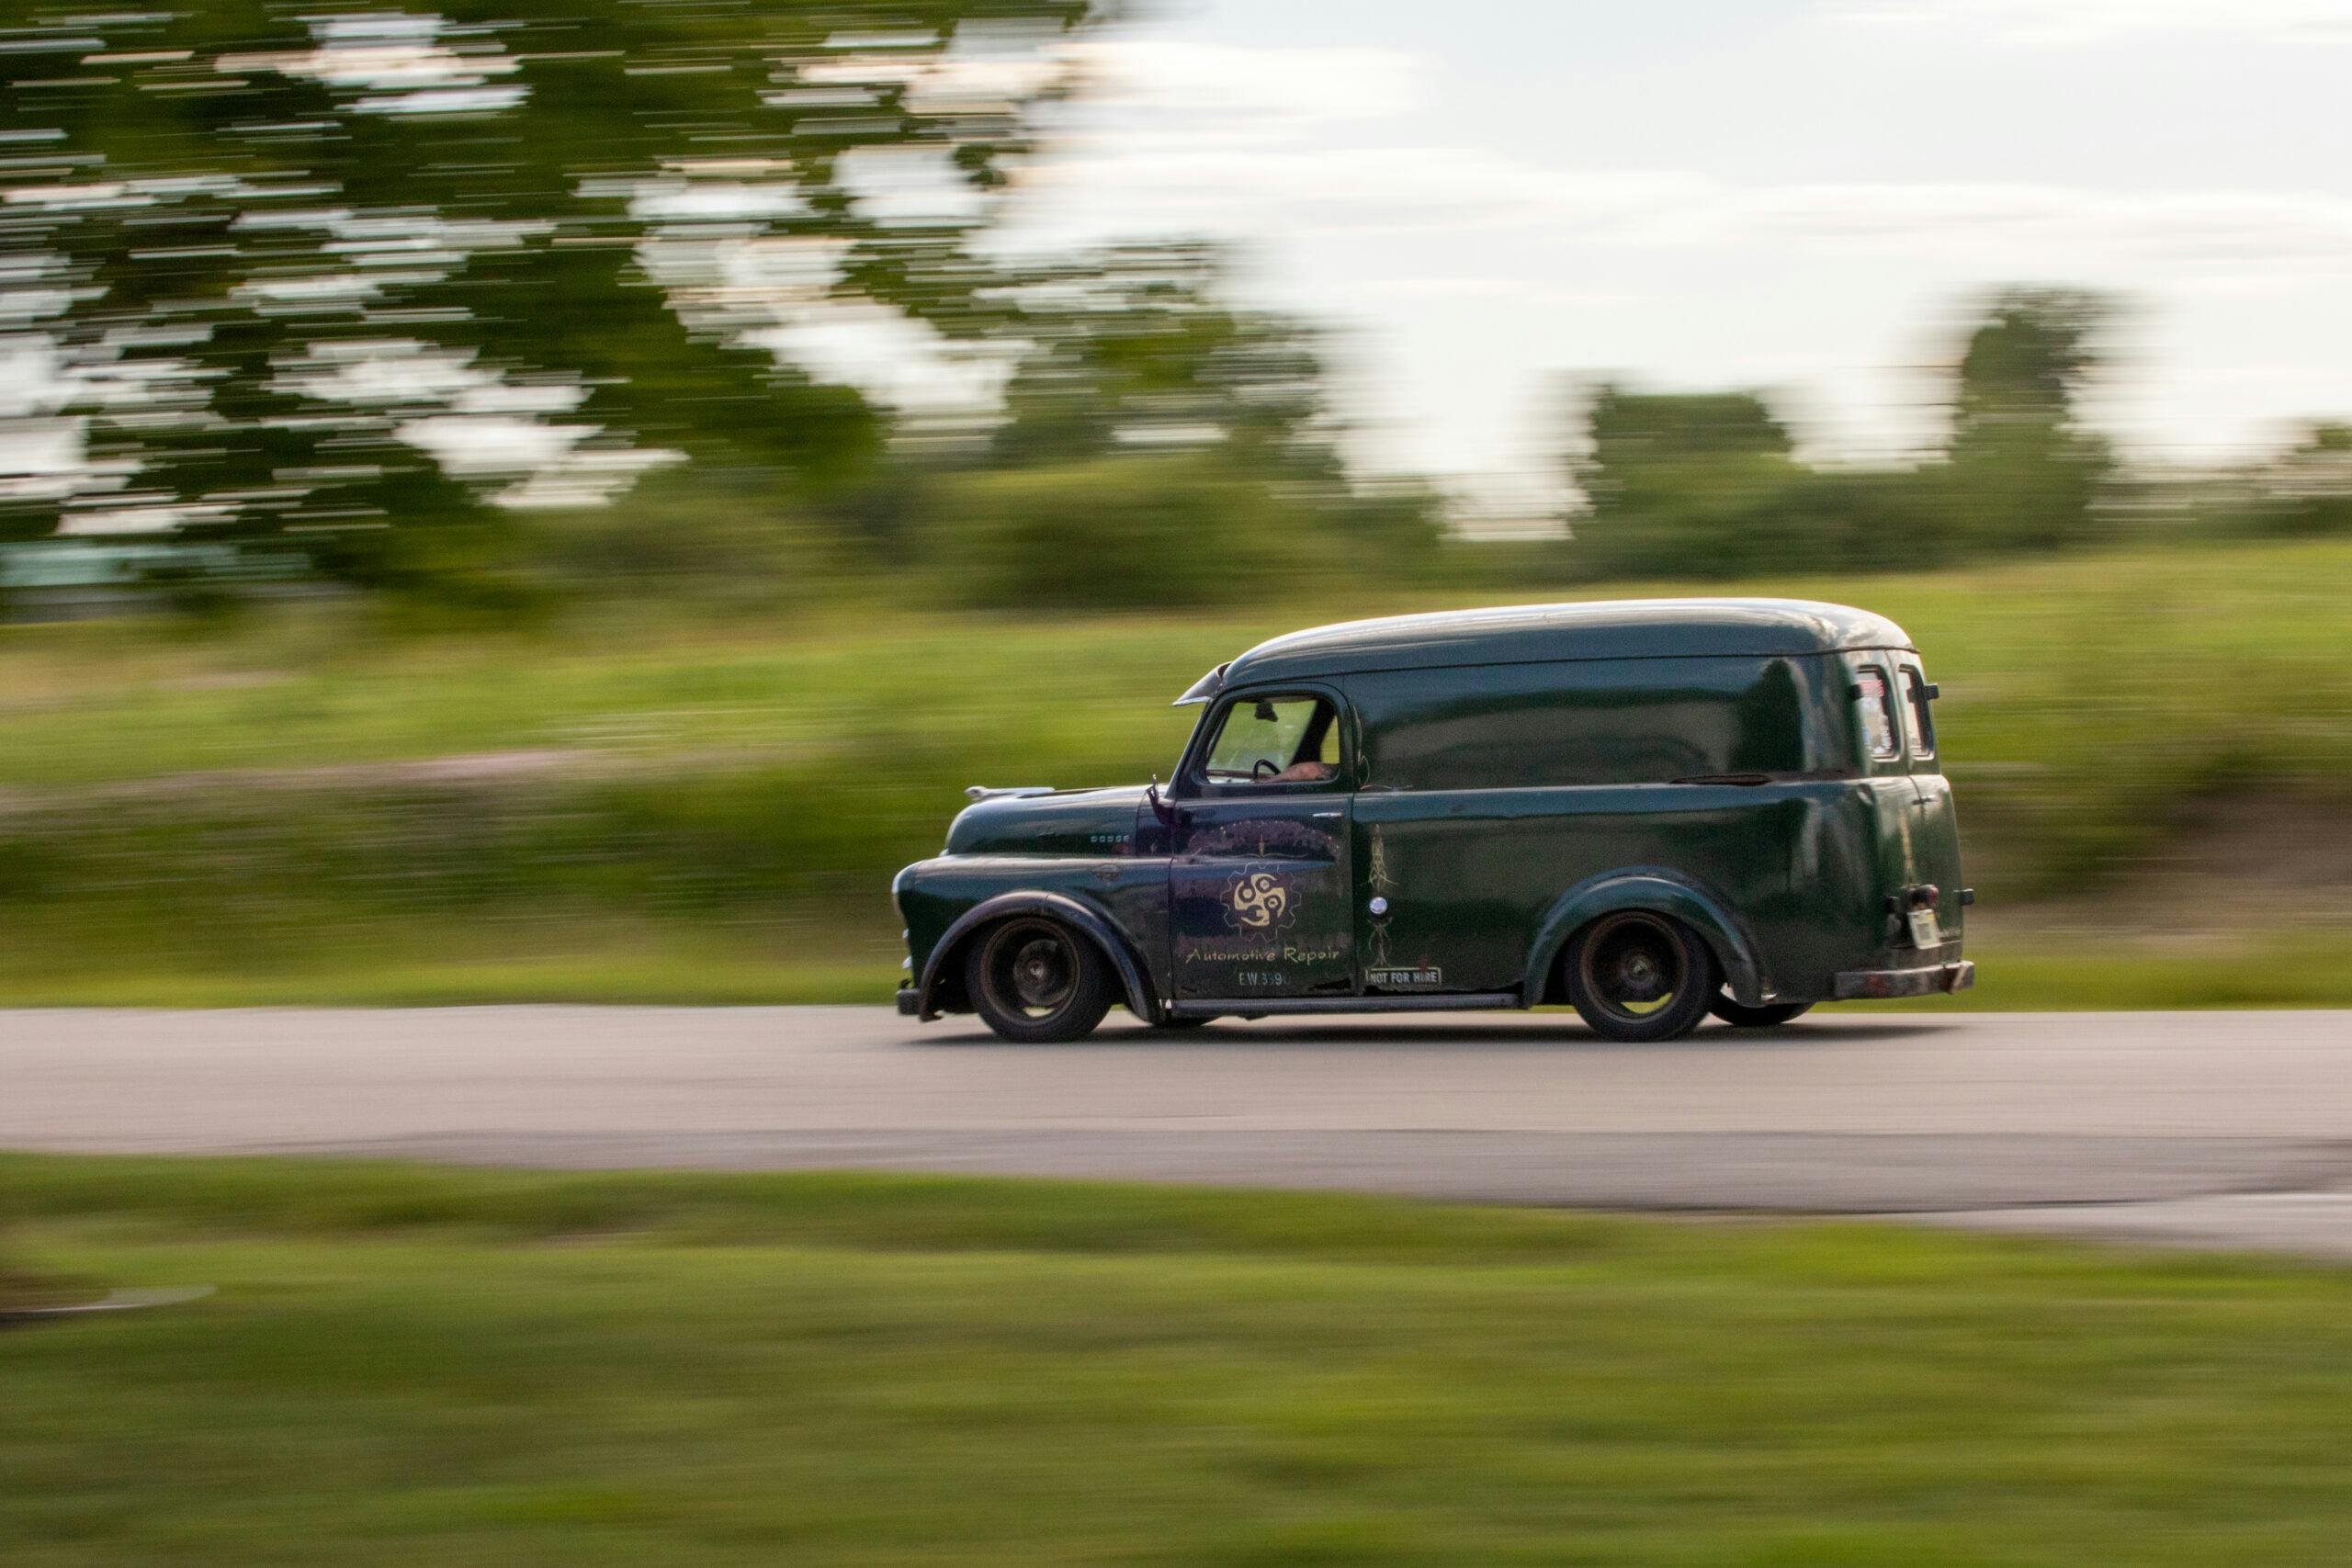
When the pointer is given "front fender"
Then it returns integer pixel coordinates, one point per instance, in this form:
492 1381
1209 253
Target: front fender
1073 910
1660 890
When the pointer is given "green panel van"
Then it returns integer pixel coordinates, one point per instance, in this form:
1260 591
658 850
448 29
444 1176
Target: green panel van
1653 810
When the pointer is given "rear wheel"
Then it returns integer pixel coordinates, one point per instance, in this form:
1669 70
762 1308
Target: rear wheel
1741 1016
1635 975
1037 981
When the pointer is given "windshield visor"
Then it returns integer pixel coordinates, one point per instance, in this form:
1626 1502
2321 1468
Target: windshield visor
1205 689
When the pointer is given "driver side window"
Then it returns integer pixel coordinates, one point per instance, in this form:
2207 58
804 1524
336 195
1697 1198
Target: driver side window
1275 741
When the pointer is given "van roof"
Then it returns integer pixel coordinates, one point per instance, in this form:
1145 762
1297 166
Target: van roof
1542 634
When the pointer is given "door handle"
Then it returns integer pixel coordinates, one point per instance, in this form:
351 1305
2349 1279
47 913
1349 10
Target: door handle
1326 816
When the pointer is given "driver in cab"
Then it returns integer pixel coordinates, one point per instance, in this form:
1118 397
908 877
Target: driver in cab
1255 736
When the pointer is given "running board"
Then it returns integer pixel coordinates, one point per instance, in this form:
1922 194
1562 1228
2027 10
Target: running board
1269 1007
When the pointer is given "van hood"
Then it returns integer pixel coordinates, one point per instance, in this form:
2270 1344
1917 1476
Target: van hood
1068 822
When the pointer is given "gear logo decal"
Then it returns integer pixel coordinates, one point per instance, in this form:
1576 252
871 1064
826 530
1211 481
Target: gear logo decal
1258 903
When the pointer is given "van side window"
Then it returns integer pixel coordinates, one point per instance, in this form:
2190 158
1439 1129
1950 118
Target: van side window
1265 741
1879 732
1923 723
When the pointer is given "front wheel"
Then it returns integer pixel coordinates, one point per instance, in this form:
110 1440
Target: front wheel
1036 981
1741 1016
1639 976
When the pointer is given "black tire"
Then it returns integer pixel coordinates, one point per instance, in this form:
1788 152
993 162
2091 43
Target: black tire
1741 1016
1036 981
1641 977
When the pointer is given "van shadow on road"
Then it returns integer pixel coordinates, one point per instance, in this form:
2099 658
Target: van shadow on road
1568 1034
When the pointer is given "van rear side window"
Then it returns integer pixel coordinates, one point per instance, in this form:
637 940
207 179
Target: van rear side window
1885 741
1923 723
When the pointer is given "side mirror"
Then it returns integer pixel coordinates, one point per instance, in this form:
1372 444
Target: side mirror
1161 811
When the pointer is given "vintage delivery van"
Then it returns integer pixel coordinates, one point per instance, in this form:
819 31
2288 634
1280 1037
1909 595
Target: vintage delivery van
1652 809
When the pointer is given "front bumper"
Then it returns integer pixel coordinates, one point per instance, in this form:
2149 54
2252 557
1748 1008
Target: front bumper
1929 980
909 1001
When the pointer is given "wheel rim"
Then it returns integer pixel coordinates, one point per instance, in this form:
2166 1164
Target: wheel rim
1030 969
1633 968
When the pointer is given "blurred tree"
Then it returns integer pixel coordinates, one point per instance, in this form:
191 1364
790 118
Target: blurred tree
1157 437
1141 348
1680 484
2023 473
307 273
2308 491
1708 484
1121 530
2030 356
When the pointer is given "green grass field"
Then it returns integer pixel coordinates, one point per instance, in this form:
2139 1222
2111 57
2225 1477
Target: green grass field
2257 970
316 805
407 1365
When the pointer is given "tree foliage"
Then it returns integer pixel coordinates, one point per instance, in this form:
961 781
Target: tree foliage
1178 529
295 273
1711 484
1142 347
2029 357
1160 441
2308 490
2023 472
1678 477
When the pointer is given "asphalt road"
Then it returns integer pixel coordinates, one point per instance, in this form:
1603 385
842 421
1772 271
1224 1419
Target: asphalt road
2202 1128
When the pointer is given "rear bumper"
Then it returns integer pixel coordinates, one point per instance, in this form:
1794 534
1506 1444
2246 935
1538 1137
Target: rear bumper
909 1001
1930 980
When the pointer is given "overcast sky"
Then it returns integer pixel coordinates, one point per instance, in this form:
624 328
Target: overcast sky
1796 195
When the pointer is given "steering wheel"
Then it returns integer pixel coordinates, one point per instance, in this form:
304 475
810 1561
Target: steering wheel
1264 768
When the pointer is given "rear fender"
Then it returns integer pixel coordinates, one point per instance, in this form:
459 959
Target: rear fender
1662 892
947 954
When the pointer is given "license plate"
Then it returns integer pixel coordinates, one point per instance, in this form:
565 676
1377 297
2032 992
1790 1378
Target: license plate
1923 929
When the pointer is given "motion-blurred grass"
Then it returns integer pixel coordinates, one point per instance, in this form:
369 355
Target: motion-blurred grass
406 1365
624 803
